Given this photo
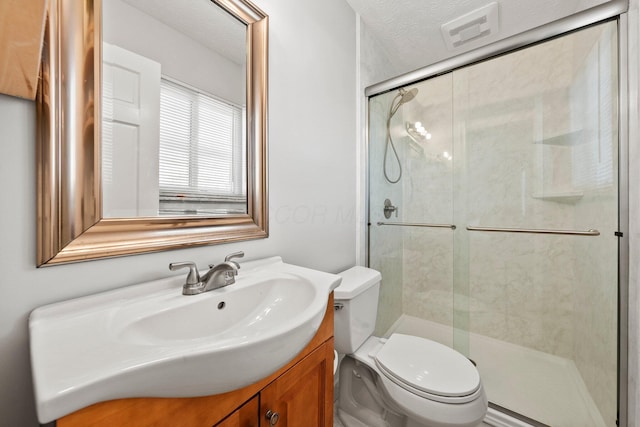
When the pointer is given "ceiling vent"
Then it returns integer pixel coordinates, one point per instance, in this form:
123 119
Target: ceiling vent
477 25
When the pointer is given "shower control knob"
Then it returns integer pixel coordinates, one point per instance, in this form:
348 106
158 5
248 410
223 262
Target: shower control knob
272 417
389 209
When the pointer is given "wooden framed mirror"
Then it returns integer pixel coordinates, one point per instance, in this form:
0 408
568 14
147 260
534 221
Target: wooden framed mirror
72 225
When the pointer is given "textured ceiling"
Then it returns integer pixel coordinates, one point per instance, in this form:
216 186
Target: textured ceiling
408 31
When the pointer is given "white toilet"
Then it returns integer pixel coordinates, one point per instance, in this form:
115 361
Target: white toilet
402 381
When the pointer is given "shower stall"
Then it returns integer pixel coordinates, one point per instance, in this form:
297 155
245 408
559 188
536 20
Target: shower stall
493 217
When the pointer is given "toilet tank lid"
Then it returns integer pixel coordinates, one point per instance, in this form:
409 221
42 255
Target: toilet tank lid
355 281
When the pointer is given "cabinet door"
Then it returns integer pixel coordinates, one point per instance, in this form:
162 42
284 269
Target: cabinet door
244 416
302 396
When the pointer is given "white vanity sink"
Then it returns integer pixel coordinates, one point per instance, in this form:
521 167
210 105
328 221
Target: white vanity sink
149 340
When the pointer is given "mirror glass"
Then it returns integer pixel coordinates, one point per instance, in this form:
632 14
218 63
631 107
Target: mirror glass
173 109
182 158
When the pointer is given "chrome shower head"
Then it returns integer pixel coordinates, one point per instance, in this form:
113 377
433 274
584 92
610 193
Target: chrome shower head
408 96
401 98
405 96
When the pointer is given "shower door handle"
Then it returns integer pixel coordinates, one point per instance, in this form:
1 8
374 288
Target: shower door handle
389 209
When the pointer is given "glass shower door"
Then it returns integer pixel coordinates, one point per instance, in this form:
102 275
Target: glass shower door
493 208
535 202
411 208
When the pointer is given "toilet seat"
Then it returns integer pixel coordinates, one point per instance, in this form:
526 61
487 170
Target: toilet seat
418 405
427 369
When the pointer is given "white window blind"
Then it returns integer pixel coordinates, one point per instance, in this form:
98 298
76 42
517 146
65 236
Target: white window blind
202 154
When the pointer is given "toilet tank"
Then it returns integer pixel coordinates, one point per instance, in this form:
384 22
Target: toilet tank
356 308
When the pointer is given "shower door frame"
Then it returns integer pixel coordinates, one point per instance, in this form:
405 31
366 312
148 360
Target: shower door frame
614 10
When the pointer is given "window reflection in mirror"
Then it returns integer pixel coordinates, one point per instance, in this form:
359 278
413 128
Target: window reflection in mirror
173 109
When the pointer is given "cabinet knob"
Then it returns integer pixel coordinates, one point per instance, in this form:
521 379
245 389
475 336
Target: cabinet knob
272 417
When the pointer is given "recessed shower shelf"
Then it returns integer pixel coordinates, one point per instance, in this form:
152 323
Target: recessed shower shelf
560 197
568 139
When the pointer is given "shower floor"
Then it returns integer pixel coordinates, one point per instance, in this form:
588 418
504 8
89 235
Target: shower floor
541 386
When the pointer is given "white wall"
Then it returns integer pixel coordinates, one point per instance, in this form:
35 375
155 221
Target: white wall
311 182
181 57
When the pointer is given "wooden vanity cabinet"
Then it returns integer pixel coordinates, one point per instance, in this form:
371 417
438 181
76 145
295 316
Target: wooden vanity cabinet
301 393
303 396
245 416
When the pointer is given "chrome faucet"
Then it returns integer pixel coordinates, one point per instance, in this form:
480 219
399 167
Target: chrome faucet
218 276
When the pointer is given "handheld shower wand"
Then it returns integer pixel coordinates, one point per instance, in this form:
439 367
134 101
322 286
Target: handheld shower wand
401 98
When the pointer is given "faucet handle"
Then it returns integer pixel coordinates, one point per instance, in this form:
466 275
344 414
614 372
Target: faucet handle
229 257
193 278
238 254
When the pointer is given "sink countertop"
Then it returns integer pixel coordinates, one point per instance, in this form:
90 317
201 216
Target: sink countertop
109 345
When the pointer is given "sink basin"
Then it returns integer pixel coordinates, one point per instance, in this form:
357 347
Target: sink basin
231 313
149 340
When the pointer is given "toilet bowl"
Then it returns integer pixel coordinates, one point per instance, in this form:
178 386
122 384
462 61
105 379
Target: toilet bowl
403 381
